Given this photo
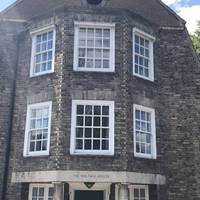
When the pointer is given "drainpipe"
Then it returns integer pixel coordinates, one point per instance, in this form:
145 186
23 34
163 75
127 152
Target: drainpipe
10 126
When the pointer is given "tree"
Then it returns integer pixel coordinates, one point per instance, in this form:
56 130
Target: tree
196 39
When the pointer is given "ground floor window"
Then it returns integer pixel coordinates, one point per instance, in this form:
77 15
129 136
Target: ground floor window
139 192
41 192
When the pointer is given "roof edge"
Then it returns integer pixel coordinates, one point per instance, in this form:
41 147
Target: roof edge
171 11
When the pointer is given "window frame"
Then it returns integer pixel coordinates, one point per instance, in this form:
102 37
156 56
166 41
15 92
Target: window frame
46 190
34 35
111 26
110 151
151 40
153 154
145 187
26 152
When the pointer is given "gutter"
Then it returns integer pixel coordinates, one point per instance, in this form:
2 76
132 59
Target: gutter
10 126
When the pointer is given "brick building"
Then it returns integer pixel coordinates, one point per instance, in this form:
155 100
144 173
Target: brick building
99 100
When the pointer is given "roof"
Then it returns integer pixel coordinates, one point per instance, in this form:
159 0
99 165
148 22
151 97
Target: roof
153 10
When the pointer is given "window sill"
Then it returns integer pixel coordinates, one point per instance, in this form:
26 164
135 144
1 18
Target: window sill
145 156
111 154
41 74
36 155
143 77
93 70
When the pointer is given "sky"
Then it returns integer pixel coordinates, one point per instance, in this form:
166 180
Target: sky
189 10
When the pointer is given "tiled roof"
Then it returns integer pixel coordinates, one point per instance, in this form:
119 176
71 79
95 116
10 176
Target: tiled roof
153 10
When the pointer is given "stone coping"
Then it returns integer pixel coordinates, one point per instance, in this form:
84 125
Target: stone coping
87 176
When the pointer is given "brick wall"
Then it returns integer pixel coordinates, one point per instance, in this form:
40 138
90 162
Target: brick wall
8 56
174 94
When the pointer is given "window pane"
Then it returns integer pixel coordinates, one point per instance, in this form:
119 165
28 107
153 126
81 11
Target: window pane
88 132
105 145
89 63
79 144
142 193
79 132
34 192
97 110
105 133
44 145
81 62
38 146
106 53
88 144
38 38
98 53
105 121
51 191
88 121
88 110
96 133
82 32
105 63
96 145
79 121
98 33
106 43
96 121
106 33
41 191
32 146
97 63
136 193
90 32
80 109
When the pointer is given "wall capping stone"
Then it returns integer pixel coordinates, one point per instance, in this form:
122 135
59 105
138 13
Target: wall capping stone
87 176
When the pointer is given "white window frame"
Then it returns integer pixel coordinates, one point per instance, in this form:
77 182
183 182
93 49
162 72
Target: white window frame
96 187
153 154
26 152
111 26
46 190
33 49
73 150
151 40
145 187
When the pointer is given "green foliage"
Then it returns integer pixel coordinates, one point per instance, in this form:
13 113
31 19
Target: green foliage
196 39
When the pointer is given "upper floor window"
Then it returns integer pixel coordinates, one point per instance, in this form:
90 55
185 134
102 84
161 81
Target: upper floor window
94 47
139 192
43 51
92 130
38 124
144 132
41 192
143 61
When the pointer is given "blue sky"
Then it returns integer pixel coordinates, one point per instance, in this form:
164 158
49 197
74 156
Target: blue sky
5 3
189 10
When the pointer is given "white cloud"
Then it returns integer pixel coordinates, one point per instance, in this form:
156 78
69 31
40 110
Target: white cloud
191 15
169 2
